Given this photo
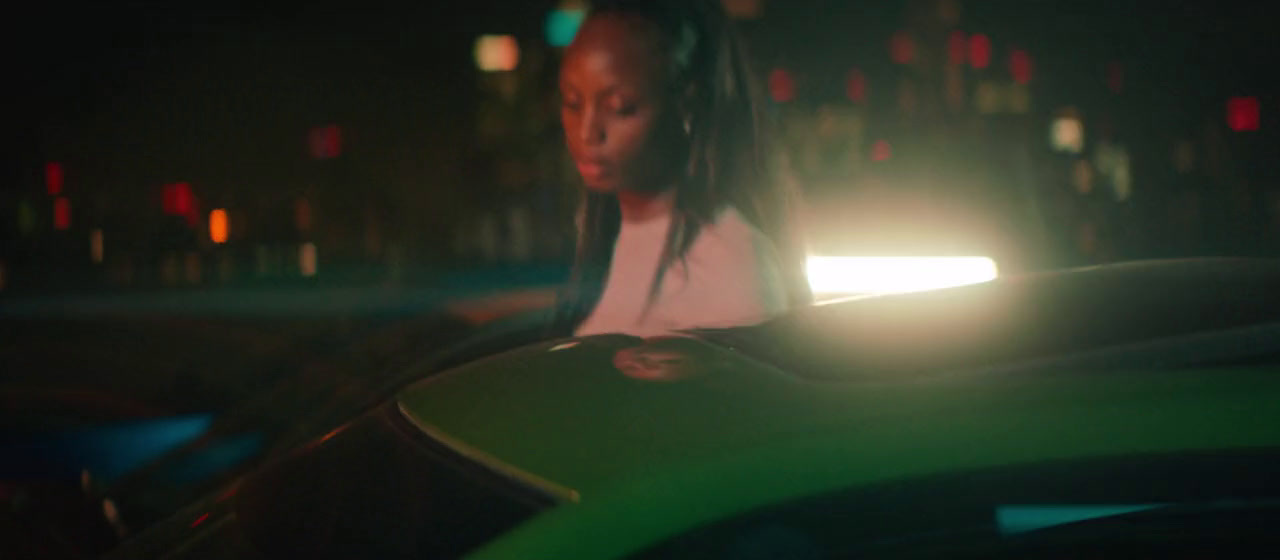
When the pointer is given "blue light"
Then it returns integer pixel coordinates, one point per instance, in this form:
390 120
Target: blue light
107 451
562 25
1020 519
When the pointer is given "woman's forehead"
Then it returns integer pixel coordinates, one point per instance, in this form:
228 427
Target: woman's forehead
622 47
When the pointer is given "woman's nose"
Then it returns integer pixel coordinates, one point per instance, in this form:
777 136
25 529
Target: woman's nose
591 129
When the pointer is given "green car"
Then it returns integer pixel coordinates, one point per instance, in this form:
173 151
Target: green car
1117 411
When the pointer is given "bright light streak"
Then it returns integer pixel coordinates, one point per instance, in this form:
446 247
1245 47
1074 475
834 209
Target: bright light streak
892 275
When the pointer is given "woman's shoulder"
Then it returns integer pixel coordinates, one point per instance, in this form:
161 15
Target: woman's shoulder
732 237
730 229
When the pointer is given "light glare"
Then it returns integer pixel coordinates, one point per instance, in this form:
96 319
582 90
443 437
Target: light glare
893 275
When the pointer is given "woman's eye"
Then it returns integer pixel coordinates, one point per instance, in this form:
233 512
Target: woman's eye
623 108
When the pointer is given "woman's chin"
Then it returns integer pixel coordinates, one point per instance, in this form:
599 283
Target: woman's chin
600 186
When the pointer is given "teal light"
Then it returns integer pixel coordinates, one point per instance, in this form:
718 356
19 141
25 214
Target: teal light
562 25
1020 519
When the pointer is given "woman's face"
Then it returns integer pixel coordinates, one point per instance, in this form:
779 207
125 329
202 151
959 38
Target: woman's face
620 123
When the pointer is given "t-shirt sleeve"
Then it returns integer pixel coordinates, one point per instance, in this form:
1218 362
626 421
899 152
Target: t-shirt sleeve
736 278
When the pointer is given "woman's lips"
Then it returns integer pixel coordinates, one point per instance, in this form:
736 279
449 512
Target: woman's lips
591 169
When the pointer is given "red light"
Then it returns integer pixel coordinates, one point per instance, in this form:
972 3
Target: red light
61 213
782 88
979 51
901 48
199 520
182 199
957 44
856 86
1244 114
53 178
179 201
1115 77
881 151
326 142
1020 66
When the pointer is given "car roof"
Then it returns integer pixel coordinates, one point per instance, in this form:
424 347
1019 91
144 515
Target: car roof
1015 320
653 457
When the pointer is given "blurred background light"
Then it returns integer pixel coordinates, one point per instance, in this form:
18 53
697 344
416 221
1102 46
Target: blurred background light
743 9
902 48
326 142
881 151
1067 134
302 215
890 275
562 25
979 51
27 218
1115 77
957 45
497 53
62 213
96 248
218 227
1244 114
856 86
307 259
1020 66
53 178
782 87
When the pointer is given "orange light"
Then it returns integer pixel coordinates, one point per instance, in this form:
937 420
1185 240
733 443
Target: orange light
979 51
96 246
53 178
497 53
307 259
218 227
62 213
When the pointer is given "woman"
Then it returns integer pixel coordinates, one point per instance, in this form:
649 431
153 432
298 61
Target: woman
681 224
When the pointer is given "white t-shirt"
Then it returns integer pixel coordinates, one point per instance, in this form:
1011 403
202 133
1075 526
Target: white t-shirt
730 277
